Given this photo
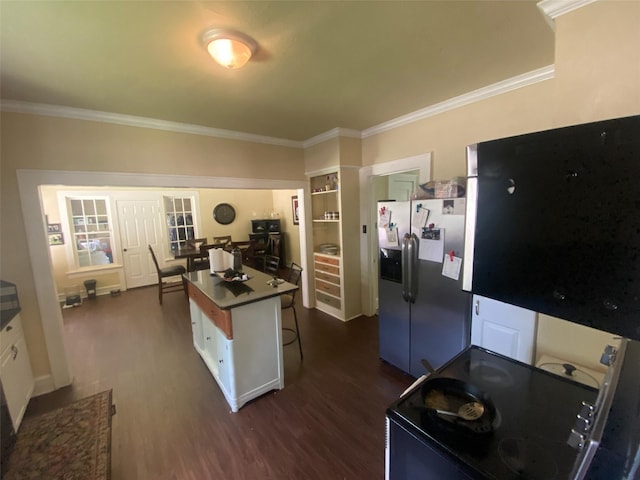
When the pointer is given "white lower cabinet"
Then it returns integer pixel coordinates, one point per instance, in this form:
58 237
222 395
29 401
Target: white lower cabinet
15 370
249 363
504 328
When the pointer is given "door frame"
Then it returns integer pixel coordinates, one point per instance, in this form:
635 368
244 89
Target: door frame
368 218
33 216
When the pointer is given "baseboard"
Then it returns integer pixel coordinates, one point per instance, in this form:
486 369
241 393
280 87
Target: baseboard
43 384
100 291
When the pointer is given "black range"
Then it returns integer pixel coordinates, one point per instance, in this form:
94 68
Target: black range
534 414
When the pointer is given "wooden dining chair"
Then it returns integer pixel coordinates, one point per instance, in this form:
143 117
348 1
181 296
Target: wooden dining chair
166 272
271 263
198 262
225 239
288 301
247 248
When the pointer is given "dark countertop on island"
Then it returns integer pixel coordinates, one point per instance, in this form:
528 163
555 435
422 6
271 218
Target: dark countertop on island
227 295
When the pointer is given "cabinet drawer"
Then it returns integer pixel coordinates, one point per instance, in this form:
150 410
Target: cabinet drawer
327 268
220 318
328 288
331 301
328 278
11 333
329 260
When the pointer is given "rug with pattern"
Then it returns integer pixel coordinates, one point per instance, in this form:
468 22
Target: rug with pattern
70 443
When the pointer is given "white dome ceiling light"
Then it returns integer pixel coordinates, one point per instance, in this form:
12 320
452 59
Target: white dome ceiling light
229 48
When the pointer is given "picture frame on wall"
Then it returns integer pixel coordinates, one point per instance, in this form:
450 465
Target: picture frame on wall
294 209
54 227
56 239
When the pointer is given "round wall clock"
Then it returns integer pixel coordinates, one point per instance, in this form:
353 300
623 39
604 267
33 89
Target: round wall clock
224 213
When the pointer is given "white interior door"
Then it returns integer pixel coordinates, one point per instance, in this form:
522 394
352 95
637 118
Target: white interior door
402 185
504 328
140 225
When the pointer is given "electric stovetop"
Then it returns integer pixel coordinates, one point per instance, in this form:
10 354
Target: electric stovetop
534 413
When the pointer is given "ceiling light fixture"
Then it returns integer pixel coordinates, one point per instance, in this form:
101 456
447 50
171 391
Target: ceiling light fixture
229 48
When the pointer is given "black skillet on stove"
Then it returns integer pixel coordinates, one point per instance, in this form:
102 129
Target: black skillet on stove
449 394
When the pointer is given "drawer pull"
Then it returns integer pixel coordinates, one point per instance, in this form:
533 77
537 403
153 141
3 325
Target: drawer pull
14 349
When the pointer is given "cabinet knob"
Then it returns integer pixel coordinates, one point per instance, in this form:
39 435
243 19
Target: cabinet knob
9 328
208 338
220 361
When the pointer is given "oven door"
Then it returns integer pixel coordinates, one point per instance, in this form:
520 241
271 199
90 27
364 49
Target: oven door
408 457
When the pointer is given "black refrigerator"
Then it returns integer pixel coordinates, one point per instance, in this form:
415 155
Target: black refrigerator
423 311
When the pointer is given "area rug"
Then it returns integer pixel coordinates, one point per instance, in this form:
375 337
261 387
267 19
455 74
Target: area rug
70 443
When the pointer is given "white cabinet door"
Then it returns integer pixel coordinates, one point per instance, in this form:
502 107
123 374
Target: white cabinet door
225 362
17 379
196 326
210 348
504 328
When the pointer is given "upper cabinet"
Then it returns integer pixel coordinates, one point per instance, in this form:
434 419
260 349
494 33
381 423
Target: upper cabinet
335 219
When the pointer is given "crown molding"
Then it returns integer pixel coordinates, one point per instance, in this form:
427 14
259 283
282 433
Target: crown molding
328 135
555 8
513 83
529 78
17 106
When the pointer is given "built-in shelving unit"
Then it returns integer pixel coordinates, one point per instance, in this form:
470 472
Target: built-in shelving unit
334 209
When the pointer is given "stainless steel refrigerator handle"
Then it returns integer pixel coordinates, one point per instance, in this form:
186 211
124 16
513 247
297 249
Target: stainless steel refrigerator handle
405 268
412 253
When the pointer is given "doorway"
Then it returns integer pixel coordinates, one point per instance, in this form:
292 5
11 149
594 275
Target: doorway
374 186
139 226
29 182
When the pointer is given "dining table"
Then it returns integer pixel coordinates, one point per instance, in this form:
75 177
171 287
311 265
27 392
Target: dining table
191 254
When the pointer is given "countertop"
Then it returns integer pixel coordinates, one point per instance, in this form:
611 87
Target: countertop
227 295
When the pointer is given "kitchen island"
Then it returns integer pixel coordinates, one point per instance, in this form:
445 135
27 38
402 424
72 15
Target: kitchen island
237 330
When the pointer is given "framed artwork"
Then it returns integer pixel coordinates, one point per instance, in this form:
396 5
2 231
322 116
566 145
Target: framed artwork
294 208
56 239
54 227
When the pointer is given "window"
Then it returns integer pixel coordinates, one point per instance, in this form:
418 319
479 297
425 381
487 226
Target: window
179 216
91 231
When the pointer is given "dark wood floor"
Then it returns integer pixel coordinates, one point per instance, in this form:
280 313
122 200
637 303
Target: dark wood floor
173 422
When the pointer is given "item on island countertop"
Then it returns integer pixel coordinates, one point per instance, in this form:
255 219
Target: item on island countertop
231 275
219 260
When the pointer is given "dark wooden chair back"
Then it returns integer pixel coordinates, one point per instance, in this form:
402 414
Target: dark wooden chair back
271 263
172 271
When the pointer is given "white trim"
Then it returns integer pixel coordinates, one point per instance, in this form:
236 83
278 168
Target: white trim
326 170
555 8
43 384
519 81
29 182
18 106
336 132
368 241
